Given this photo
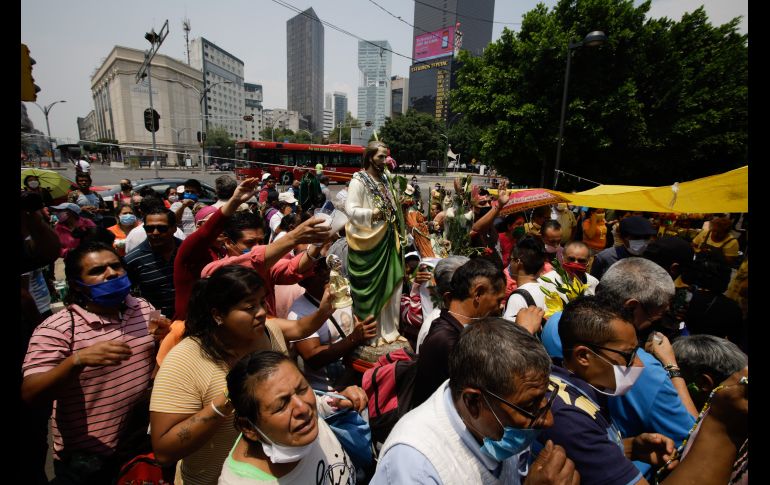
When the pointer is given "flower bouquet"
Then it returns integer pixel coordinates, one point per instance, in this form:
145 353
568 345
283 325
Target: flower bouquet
568 285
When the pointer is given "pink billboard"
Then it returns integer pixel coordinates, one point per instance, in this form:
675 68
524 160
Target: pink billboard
434 44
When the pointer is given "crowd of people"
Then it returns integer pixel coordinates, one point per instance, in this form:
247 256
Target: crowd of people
555 345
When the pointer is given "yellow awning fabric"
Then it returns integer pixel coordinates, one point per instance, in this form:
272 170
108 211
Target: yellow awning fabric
726 192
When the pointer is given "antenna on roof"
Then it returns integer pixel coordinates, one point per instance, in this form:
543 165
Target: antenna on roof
186 28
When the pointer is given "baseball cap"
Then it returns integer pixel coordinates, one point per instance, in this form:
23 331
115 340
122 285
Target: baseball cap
287 197
204 212
636 226
409 190
68 206
413 254
180 189
266 176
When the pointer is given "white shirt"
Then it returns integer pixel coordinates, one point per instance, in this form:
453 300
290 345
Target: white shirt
137 236
187 224
326 333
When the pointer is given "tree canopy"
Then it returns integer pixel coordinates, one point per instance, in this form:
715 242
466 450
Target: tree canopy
413 137
660 101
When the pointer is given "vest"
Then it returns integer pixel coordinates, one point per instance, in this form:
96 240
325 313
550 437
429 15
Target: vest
428 429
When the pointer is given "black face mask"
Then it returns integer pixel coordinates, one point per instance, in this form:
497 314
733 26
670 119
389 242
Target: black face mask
483 211
125 187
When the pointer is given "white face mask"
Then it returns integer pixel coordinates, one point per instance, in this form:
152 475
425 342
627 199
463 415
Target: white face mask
172 198
637 246
551 249
282 453
625 377
33 184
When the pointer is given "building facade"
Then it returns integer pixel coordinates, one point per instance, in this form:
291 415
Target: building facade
223 105
340 107
374 64
252 96
305 67
399 96
441 28
120 102
87 127
283 119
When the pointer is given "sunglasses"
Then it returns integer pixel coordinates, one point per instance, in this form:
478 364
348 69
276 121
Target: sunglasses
151 229
573 259
627 356
538 413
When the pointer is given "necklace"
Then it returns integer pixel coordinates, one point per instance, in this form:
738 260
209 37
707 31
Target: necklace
465 316
706 406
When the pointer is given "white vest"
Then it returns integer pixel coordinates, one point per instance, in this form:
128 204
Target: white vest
428 430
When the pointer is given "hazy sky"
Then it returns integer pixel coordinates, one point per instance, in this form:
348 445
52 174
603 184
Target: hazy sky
69 40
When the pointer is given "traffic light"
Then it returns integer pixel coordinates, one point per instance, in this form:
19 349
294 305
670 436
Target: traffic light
151 118
29 89
201 137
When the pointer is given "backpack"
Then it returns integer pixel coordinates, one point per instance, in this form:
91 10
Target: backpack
530 302
389 385
143 470
269 213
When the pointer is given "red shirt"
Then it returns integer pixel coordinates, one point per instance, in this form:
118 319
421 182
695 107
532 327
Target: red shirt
67 240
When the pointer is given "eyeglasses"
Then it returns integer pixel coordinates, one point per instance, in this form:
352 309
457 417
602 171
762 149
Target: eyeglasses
573 259
629 357
151 229
538 413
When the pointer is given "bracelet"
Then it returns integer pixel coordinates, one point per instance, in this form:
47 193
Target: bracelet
217 410
77 360
671 367
307 251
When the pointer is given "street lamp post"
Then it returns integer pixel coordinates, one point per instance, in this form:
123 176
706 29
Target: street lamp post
203 134
272 134
45 111
593 39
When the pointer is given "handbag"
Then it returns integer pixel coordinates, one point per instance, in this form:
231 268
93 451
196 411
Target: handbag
353 433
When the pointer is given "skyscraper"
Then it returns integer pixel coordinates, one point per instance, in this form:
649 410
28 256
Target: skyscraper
374 82
340 107
305 67
253 107
399 96
435 42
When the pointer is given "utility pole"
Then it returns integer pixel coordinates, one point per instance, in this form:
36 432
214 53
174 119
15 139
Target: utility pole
155 39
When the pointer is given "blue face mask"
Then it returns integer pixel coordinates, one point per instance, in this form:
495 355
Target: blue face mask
192 197
514 440
110 293
128 219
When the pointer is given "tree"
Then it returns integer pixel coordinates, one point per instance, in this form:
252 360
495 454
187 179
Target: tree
661 101
219 143
350 121
465 139
413 137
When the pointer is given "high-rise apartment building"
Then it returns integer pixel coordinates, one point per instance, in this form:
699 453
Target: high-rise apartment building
253 107
399 95
374 63
278 118
305 67
328 114
340 107
436 41
223 103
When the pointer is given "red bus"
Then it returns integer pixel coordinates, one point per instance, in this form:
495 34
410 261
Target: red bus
290 161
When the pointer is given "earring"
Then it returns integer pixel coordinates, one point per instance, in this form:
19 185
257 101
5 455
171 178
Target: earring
219 321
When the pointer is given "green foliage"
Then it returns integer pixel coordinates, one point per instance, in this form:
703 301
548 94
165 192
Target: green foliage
412 137
660 101
219 143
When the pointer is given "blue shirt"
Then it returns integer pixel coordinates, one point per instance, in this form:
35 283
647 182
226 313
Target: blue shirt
652 405
404 464
583 426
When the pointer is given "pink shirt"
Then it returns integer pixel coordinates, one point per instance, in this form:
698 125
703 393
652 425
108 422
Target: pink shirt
67 240
283 272
90 412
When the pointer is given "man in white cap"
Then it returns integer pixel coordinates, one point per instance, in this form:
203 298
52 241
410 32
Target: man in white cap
268 186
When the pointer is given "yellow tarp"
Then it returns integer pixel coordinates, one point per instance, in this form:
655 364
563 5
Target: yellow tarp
726 192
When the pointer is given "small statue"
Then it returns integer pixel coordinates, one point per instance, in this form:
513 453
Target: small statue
338 284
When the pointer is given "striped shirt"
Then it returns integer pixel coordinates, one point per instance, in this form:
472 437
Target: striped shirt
186 382
153 275
91 412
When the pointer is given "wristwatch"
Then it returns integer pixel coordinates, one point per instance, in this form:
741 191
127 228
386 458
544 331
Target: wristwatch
674 372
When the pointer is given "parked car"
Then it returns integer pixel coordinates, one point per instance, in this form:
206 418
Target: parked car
160 185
